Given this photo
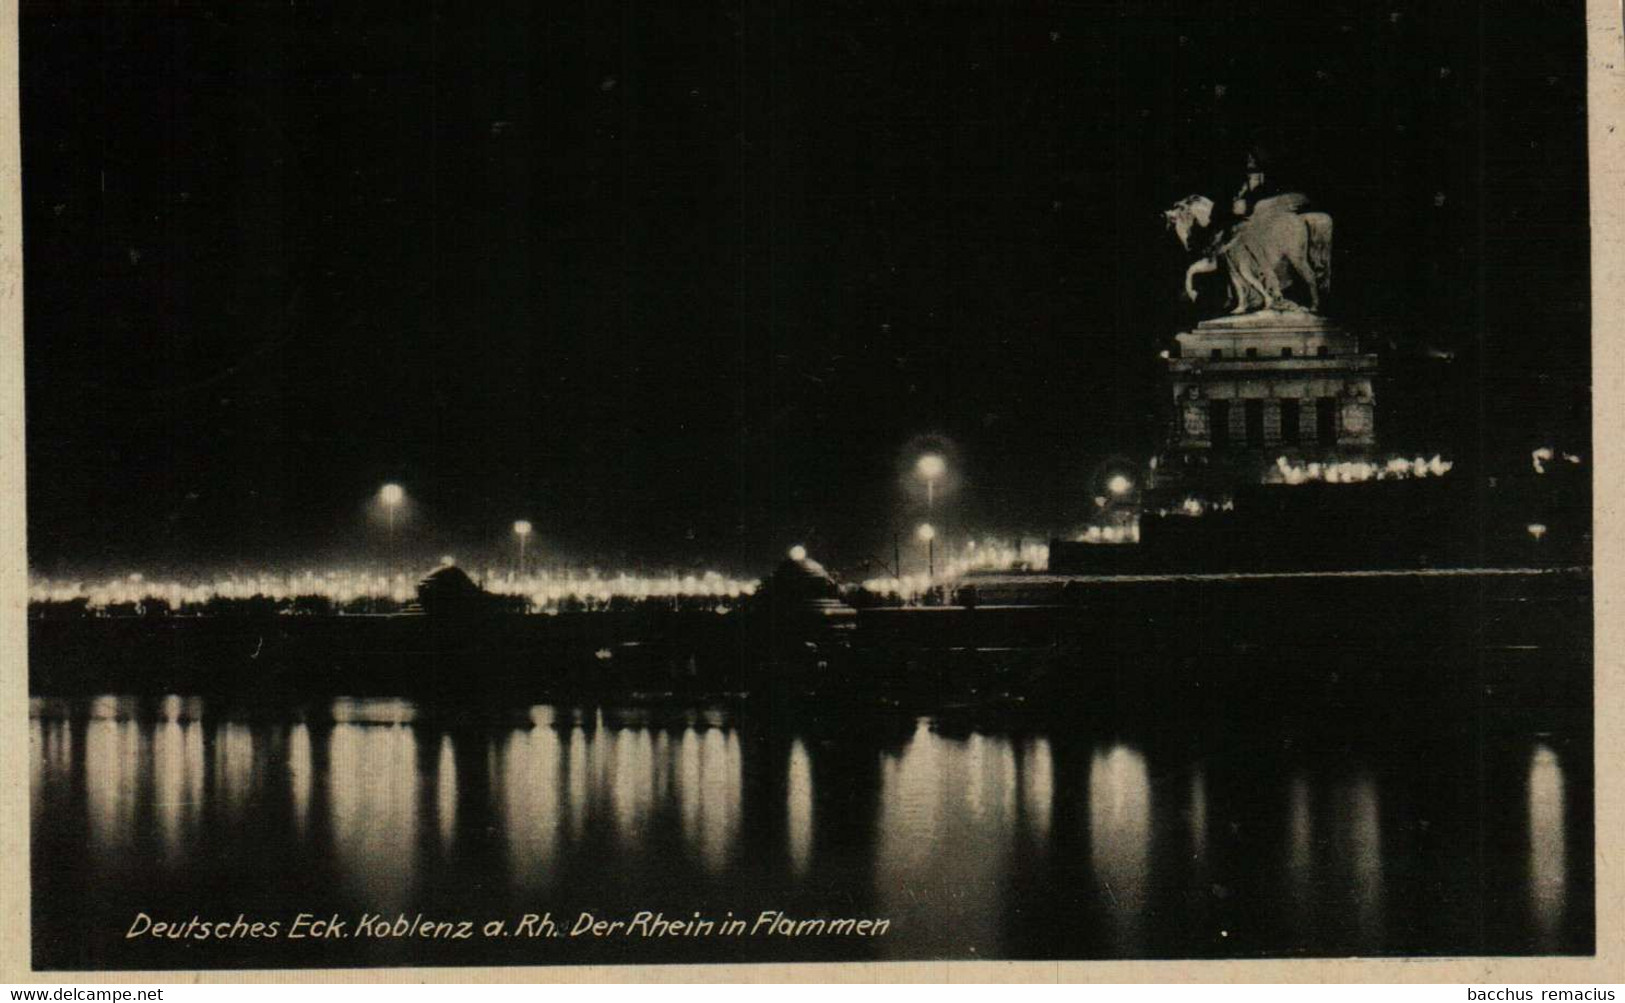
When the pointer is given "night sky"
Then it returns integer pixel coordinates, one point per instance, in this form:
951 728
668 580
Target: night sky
682 283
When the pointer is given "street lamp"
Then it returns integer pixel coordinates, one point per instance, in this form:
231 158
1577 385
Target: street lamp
798 553
390 496
1537 532
1119 485
521 529
930 466
927 535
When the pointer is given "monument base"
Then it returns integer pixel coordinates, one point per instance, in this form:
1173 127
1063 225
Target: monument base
1267 334
1249 389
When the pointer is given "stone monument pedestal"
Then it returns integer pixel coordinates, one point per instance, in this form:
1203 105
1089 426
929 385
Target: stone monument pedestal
1252 388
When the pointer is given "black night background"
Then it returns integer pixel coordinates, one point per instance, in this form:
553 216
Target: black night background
681 283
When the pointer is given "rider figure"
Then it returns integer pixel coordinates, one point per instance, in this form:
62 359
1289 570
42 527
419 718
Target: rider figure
1253 189
1257 189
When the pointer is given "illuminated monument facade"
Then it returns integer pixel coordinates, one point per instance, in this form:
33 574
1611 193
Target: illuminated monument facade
1273 378
1247 390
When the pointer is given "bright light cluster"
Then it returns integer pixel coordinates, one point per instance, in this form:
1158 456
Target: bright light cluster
1193 507
549 591
1355 471
546 591
1126 533
954 563
1545 454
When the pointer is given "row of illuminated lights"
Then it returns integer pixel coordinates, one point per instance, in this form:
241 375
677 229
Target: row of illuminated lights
542 589
545 590
1356 471
549 590
983 555
1193 506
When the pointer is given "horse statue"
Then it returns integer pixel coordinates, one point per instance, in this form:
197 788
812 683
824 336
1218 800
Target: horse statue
1261 253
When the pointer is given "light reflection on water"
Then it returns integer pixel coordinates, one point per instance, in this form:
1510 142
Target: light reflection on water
799 808
968 842
234 773
577 785
629 778
943 841
1548 856
373 780
177 752
446 792
112 769
956 815
1364 850
1038 789
1301 845
372 710
1198 816
1120 839
51 757
300 776
717 795
528 796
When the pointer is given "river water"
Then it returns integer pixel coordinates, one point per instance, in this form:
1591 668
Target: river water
1169 836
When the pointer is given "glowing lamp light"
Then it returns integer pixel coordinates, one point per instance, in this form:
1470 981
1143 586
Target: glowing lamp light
1119 485
930 466
447 560
522 527
391 494
926 533
798 553
1537 531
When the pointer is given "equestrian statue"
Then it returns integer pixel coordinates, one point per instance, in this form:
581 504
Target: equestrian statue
1275 245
